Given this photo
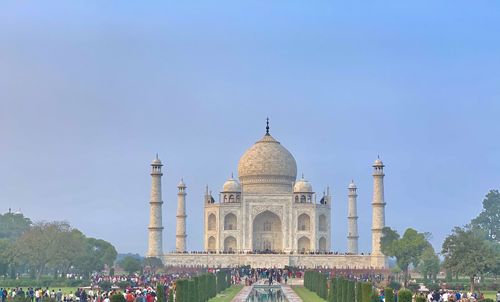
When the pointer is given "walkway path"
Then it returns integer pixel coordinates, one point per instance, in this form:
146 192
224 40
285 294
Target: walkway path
242 295
290 294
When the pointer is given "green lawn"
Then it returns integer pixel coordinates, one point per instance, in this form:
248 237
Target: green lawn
490 294
228 294
307 295
65 290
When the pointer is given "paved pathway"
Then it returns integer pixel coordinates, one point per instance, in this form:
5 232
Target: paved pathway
243 294
290 294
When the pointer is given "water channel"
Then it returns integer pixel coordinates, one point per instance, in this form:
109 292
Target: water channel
266 293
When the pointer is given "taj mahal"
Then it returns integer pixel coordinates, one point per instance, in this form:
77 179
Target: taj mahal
266 217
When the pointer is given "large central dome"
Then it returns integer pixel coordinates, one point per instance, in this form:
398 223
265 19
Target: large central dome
267 162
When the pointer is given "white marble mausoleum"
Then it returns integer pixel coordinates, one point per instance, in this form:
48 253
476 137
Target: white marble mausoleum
266 217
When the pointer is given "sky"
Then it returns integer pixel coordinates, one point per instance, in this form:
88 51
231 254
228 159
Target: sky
90 91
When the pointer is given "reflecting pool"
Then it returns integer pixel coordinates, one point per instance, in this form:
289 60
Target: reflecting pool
266 293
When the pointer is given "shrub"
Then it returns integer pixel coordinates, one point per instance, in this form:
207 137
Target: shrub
488 300
395 285
331 291
366 292
389 294
413 287
338 287
192 291
404 296
180 290
359 292
105 286
123 284
350 291
118 297
344 290
160 293
420 299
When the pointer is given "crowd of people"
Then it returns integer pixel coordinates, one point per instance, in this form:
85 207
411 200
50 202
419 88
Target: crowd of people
142 287
446 296
273 252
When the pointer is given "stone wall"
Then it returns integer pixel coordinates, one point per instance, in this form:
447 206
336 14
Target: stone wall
271 260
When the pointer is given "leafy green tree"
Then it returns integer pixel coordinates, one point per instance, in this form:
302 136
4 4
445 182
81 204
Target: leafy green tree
73 253
5 256
489 219
130 264
13 225
429 263
95 254
39 246
466 252
407 249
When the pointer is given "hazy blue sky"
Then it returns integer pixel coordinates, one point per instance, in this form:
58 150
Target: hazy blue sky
91 90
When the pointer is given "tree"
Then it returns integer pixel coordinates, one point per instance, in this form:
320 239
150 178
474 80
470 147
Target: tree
406 249
5 259
39 245
13 225
96 253
73 253
429 263
466 252
130 264
489 219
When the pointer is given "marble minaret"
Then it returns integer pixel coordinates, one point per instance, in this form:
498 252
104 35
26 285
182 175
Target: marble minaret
378 207
180 238
155 229
352 218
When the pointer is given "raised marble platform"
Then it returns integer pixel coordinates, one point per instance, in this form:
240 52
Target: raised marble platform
274 260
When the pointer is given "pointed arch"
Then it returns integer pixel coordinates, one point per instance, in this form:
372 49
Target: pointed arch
230 222
322 225
304 222
322 244
212 222
304 244
230 244
211 243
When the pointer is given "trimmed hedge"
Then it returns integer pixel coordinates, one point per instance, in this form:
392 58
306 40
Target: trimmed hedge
389 294
366 289
336 289
351 293
359 292
404 295
201 288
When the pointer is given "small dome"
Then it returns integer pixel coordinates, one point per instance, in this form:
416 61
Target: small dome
302 186
181 184
352 185
378 163
231 185
156 161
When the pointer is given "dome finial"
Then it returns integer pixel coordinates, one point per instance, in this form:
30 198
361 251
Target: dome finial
267 126
232 175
